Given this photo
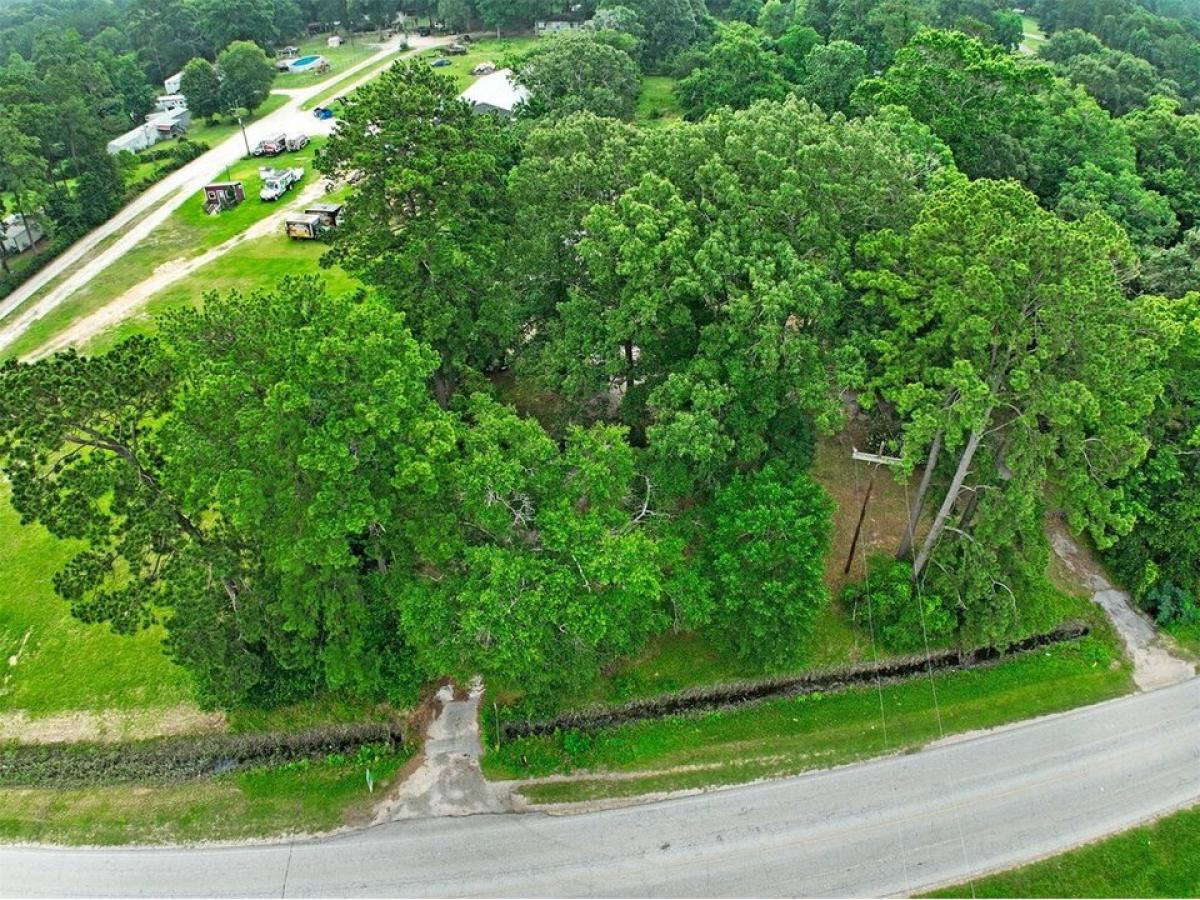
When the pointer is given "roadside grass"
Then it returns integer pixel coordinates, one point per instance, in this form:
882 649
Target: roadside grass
340 59
225 127
791 735
189 231
62 664
250 266
657 104
1156 860
303 797
502 51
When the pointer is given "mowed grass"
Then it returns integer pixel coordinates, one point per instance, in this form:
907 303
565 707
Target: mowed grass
225 127
297 798
253 265
657 104
61 663
791 735
189 231
1157 860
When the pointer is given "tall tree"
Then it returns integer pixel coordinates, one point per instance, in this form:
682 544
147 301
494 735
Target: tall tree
429 225
246 76
1028 366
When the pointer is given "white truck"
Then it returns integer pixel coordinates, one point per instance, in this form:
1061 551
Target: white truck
277 182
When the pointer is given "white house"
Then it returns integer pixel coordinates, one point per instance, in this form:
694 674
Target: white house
174 83
496 93
18 233
556 25
158 125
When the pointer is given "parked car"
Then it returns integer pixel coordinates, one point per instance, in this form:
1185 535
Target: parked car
297 141
277 182
322 112
424 31
271 146
457 49
440 62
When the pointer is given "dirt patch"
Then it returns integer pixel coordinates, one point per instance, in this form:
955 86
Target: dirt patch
1153 654
108 726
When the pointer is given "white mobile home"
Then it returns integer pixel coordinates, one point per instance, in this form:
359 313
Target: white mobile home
18 233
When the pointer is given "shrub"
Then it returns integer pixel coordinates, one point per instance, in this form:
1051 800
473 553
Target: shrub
1173 607
183 758
902 618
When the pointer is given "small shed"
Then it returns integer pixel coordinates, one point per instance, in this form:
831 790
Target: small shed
334 41
223 195
303 226
329 213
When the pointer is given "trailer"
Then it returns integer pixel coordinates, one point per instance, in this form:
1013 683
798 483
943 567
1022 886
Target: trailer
277 182
303 226
329 213
223 195
296 141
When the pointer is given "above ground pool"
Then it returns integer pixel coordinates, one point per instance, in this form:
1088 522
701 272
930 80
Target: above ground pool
305 63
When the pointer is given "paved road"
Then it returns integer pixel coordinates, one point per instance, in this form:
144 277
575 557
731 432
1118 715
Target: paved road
887 827
85 259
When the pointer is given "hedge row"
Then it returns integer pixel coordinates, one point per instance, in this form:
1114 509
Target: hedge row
177 156
703 699
181 758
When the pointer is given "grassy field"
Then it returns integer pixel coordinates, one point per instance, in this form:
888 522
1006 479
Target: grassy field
189 231
61 663
657 104
300 797
791 735
255 264
1157 860
1034 36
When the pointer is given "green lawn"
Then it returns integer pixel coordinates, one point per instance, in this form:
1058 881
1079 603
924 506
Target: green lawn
63 664
299 797
340 59
790 735
189 231
1157 860
254 264
657 104
214 134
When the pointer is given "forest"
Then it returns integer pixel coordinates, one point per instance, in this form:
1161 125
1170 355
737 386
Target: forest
576 404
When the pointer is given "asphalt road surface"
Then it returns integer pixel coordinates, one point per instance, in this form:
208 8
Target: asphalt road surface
891 826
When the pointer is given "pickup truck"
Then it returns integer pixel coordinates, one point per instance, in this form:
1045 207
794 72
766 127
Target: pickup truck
277 182
297 141
271 146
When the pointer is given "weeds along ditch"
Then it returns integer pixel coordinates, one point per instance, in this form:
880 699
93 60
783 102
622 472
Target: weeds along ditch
178 759
744 693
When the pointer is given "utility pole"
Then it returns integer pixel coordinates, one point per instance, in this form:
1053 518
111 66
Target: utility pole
244 138
876 460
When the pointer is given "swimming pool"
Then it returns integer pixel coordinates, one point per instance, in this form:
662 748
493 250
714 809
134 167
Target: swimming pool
305 63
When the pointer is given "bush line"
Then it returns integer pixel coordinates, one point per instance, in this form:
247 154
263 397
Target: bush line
703 699
181 758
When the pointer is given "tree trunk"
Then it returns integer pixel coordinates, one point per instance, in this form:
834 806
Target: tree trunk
939 523
914 515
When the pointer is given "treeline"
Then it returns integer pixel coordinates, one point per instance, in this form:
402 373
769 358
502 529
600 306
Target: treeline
577 405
